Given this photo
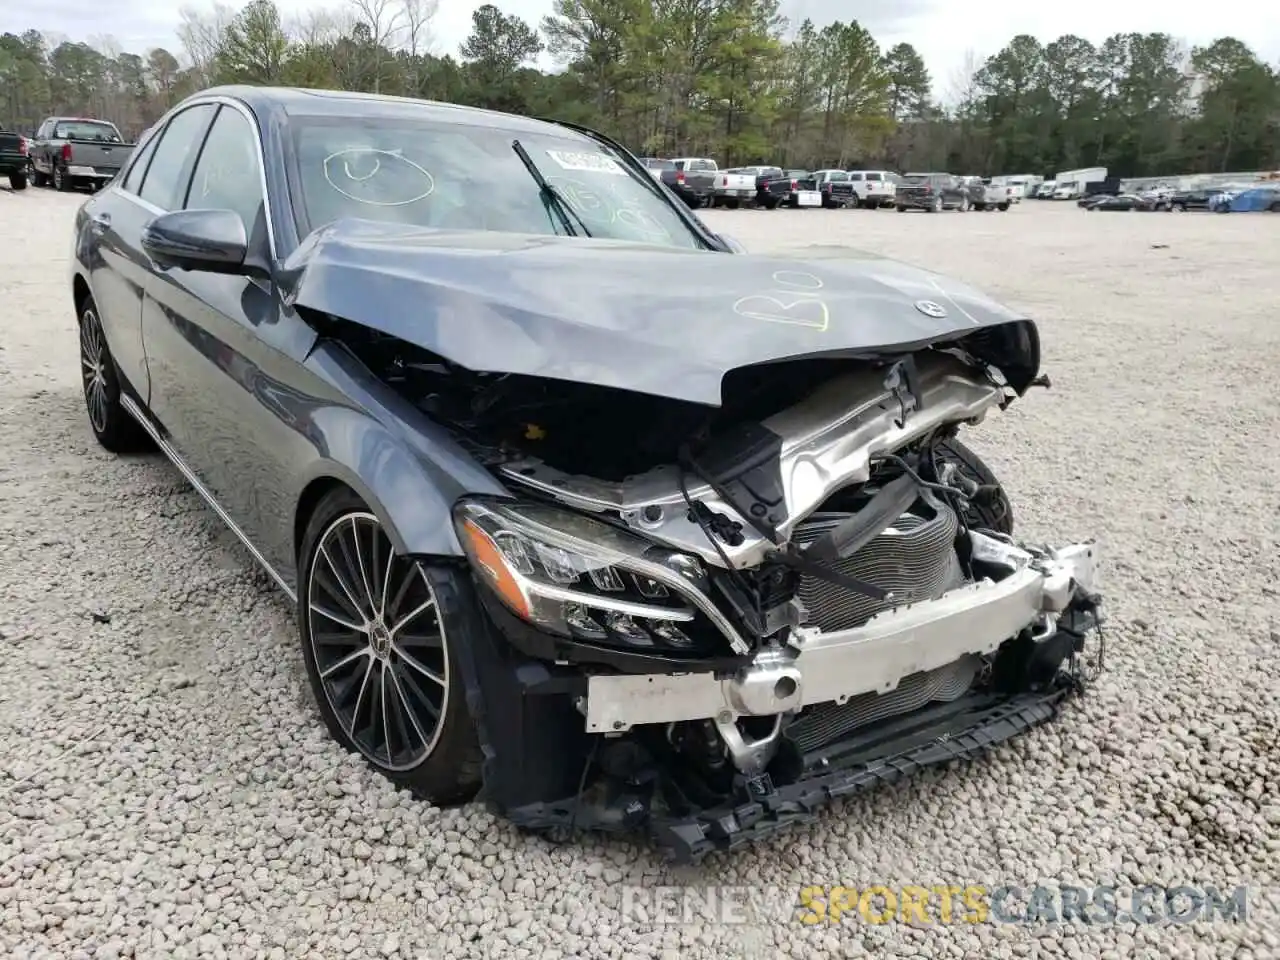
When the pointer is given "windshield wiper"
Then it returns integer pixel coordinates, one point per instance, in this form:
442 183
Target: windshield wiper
550 193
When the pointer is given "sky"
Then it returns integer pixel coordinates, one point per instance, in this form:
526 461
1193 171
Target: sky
949 35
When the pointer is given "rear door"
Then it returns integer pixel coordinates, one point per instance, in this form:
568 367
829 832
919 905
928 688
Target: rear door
119 270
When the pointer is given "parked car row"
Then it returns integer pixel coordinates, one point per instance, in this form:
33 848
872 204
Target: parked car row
1254 198
701 183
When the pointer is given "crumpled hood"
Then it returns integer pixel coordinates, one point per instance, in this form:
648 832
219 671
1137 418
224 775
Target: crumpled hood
637 317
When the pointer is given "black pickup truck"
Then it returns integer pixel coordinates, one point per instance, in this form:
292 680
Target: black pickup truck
70 151
13 158
692 178
793 188
836 187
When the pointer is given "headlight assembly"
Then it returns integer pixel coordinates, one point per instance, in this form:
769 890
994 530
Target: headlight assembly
585 580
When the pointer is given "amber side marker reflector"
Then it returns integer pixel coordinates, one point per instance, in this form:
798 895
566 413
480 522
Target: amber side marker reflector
487 554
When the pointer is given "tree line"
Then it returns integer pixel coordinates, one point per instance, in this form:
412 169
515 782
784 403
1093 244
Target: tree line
730 79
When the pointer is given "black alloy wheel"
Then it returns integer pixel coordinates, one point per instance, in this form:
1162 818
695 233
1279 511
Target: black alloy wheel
376 643
113 426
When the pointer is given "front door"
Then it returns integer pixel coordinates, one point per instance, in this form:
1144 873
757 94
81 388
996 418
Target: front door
225 357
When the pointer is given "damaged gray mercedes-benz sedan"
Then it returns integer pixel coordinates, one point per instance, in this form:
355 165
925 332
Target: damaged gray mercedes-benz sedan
583 509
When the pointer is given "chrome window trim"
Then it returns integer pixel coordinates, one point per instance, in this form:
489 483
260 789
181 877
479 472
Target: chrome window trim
260 151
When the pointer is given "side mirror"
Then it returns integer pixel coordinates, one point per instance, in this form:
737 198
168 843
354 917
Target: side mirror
212 241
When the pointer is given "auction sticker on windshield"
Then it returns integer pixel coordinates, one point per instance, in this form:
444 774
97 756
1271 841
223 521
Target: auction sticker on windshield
589 162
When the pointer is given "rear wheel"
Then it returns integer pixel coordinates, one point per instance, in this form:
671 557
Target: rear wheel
112 425
37 178
376 630
18 180
1275 207
901 209
1002 207
937 205
60 179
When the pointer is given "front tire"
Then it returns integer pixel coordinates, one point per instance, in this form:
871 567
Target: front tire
992 513
37 178
937 205
112 425
376 630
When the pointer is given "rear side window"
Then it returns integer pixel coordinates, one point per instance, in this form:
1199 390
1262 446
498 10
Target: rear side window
138 168
166 179
874 177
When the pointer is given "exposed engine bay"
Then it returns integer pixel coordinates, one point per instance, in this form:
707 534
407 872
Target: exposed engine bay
754 602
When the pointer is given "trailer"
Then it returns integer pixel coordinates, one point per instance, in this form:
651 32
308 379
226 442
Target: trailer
1071 183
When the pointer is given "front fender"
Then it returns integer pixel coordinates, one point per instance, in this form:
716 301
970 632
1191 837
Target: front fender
407 468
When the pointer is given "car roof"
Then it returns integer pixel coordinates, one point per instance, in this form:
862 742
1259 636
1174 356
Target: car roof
299 102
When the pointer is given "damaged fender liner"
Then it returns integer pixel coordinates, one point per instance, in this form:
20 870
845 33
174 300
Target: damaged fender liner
955 731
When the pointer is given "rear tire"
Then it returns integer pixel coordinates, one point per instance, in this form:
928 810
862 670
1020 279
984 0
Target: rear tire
18 181
37 178
61 181
1002 207
112 425
377 630
901 209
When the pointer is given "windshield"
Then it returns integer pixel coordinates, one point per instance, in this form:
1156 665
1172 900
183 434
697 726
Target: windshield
457 177
86 130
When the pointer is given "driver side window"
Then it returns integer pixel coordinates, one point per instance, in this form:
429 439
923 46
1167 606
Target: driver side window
227 175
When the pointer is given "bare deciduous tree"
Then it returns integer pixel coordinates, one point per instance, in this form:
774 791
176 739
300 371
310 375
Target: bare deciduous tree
385 22
201 33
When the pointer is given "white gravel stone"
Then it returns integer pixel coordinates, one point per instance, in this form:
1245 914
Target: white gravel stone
166 789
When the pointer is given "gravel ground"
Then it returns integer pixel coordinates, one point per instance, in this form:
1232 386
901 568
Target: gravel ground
166 789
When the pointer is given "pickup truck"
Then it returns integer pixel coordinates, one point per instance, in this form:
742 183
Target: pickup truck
873 188
13 158
994 196
693 179
836 188
70 151
791 188
655 166
735 187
